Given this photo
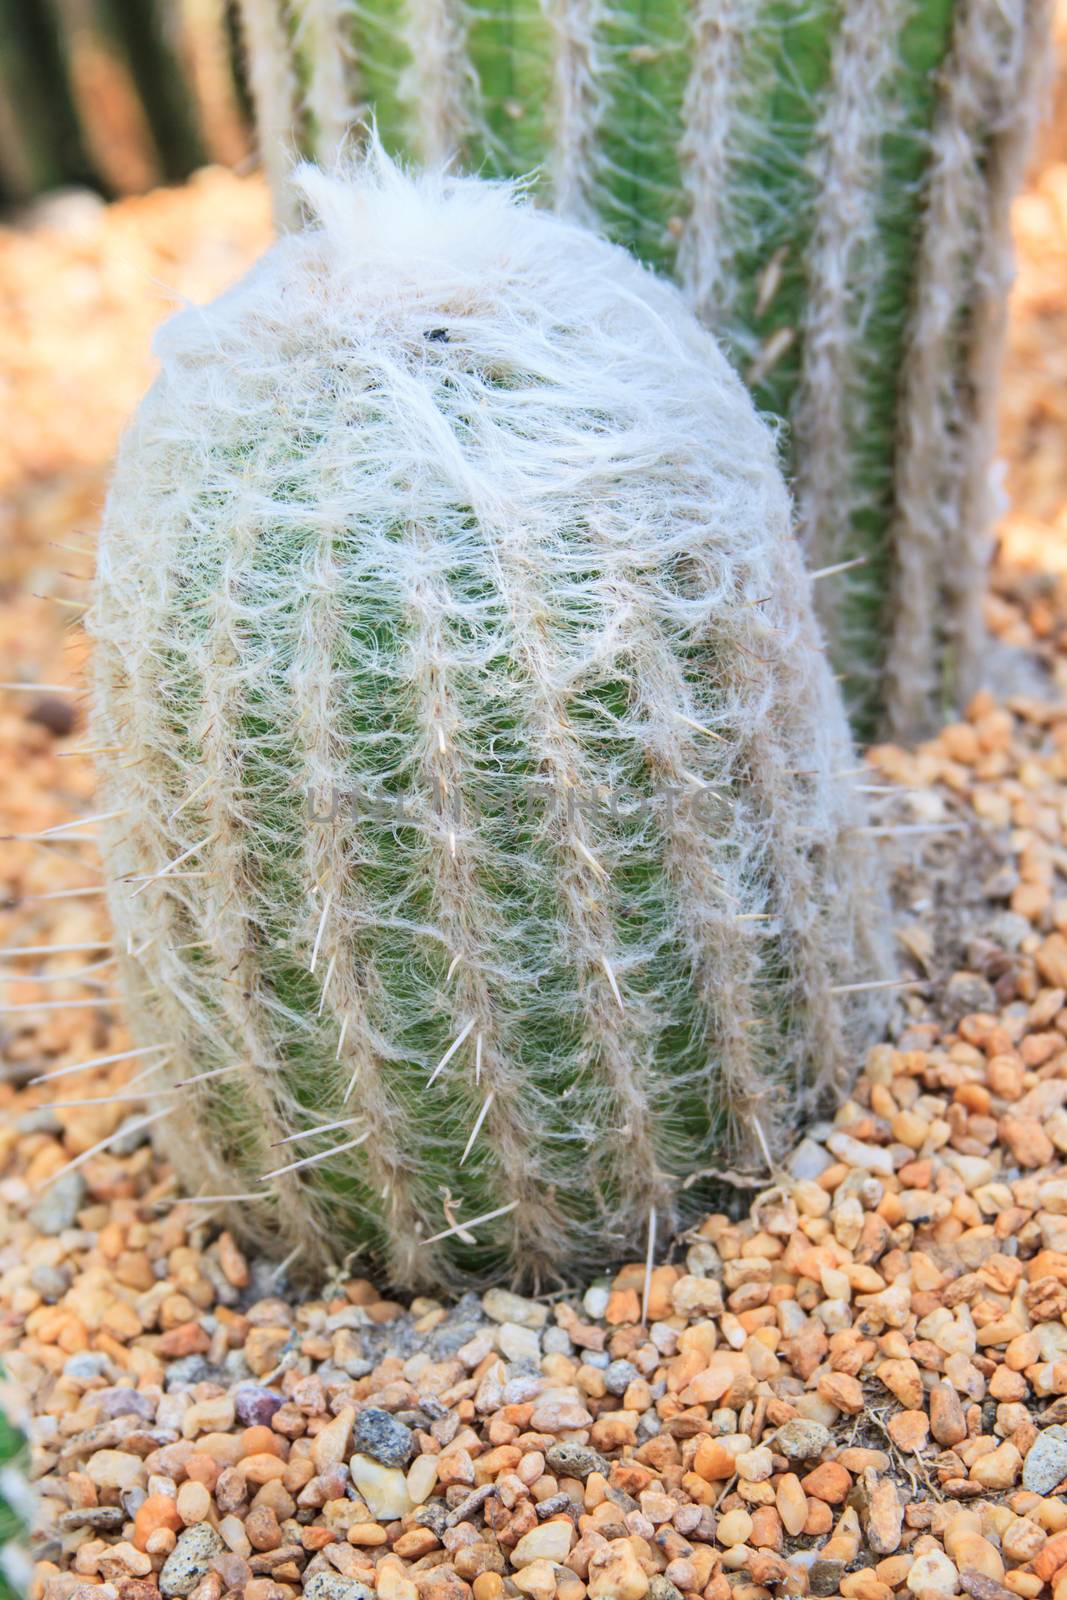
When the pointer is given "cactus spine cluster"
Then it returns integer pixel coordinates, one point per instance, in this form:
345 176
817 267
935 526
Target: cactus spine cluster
830 185
484 836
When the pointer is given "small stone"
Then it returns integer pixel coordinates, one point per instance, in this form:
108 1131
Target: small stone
1046 1461
947 1423
902 1378
792 1503
421 1479
190 1559
734 1528
576 1461
53 712
383 1488
999 1468
379 1435
932 1576
549 1542
843 1391
909 1430
868 1157
616 1574
503 1306
559 1416
114 1469
194 1503
517 1343
537 1579
255 1406
885 1517
801 1440
59 1205
332 1586
330 1446
829 1482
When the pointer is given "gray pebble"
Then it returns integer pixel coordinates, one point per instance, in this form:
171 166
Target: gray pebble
105 1519
190 1560
1046 1461
331 1586
379 1435
59 1205
802 1440
576 1460
51 1283
41 1120
86 1365
557 1342
619 1375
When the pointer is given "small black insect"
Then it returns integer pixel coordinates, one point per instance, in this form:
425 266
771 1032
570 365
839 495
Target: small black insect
439 334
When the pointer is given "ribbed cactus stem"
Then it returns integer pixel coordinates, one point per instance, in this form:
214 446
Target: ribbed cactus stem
828 184
452 514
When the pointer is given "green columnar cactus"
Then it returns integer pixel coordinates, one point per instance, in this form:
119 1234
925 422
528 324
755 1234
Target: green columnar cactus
829 183
483 830
15 1500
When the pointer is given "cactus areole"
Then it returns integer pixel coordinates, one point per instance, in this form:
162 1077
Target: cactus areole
486 845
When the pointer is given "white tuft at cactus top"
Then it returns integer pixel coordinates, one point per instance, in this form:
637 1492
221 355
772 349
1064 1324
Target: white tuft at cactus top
451 518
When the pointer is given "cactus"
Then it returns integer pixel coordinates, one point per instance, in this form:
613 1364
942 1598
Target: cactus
16 1499
830 185
478 812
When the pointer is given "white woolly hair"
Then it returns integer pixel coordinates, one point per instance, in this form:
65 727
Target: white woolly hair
452 504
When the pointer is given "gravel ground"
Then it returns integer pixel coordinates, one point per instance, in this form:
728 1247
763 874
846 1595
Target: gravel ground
853 1384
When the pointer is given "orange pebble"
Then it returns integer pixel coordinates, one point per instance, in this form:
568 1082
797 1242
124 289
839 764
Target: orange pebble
158 1511
260 1440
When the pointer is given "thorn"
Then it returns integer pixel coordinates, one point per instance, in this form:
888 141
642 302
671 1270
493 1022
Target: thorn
309 1133
838 566
189 798
700 728
913 827
449 1053
326 983
321 930
478 1059
763 1143
442 745
98 816
40 688
475 1222
46 838
323 1155
280 1268
877 983
351 1085
61 1005
65 894
54 949
341 1044
77 976
212 1072
100 1061
606 964
105 1100
452 843
650 1253
582 850
452 965
92 750
170 866
219 1199
483 1113
122 1130
771 353
67 605
754 916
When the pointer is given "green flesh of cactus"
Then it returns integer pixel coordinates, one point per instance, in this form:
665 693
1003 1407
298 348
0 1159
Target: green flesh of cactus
715 141
14 1502
455 509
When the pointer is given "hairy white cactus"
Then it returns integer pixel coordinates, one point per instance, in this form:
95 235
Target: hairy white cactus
483 826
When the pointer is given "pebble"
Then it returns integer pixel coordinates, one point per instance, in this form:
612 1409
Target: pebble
383 1488
1045 1465
377 1434
332 1586
576 1460
115 1469
190 1560
58 1207
801 1440
503 1306
549 1542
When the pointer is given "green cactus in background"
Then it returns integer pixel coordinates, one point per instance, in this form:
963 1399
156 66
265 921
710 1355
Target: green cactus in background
830 185
480 816
15 1500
